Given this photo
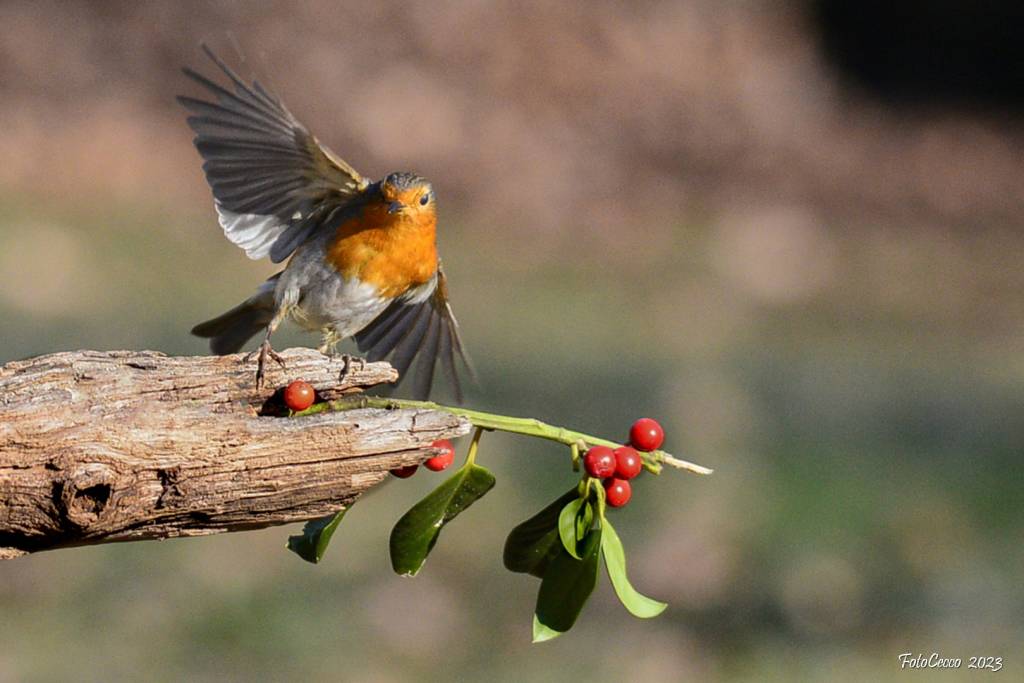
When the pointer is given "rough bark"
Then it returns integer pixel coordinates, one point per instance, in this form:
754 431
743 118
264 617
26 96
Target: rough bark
128 445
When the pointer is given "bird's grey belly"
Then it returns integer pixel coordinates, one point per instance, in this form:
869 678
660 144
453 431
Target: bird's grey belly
320 299
345 306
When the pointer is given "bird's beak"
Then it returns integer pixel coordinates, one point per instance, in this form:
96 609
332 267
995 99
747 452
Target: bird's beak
395 207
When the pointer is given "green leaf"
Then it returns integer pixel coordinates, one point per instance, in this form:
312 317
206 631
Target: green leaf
415 534
532 545
312 543
574 523
567 584
615 562
542 632
584 518
567 526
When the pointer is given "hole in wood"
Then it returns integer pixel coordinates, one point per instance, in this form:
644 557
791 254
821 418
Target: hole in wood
92 499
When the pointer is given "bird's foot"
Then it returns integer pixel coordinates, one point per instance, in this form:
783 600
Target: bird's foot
263 352
349 362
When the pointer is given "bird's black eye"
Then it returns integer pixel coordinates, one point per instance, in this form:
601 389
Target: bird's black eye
424 198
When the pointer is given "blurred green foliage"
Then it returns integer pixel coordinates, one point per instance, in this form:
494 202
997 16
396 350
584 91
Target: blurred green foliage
669 209
863 504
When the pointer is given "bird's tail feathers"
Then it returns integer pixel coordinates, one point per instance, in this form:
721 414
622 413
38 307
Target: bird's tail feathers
230 331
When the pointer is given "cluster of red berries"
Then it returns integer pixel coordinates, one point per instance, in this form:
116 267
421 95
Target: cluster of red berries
434 464
617 466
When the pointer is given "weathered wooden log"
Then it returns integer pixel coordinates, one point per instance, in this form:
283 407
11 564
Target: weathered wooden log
98 447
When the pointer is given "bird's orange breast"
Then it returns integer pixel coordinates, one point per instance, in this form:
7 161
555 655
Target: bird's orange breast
393 252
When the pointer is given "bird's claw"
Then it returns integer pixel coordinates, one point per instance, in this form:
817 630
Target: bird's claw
347 367
263 352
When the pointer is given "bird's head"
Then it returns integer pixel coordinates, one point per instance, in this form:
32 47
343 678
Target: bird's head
408 195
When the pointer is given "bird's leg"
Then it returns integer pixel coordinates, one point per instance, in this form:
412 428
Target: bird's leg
265 349
329 342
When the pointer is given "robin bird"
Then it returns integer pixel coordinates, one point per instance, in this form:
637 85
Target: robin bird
362 255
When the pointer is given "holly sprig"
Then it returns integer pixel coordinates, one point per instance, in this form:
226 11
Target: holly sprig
562 545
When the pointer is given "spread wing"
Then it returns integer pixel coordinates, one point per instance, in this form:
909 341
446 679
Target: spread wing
273 183
419 325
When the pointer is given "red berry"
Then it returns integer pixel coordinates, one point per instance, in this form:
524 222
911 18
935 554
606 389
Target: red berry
299 395
646 434
441 462
405 472
627 462
599 462
617 492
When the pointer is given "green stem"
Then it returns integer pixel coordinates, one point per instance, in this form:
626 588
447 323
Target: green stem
600 495
473 445
527 426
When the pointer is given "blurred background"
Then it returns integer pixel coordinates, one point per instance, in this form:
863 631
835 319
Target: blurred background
791 231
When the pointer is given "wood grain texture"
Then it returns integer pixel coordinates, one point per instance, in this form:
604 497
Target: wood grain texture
128 445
